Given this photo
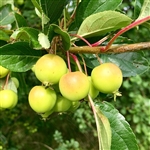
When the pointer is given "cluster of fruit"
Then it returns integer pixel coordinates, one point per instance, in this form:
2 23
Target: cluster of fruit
8 97
62 90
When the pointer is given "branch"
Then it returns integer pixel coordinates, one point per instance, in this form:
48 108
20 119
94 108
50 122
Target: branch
113 49
132 25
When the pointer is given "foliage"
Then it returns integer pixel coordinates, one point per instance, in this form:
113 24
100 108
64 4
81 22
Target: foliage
30 29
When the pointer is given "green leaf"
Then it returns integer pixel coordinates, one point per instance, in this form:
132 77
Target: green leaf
104 130
3 36
55 30
21 22
6 15
28 34
18 57
51 8
102 23
123 137
145 10
89 7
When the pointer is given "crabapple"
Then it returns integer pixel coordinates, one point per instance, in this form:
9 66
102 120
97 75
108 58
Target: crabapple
49 68
107 78
3 71
42 99
74 85
8 99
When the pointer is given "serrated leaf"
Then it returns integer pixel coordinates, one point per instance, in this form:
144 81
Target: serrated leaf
89 7
51 8
103 130
6 15
28 34
145 10
43 40
102 23
56 30
123 137
18 57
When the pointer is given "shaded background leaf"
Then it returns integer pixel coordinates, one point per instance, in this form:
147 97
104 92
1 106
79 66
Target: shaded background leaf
21 56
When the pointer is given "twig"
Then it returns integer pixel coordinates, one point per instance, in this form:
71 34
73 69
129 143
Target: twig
83 39
46 146
132 25
113 49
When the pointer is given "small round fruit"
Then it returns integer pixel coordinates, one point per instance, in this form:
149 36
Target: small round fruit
42 99
3 71
74 85
107 78
16 82
8 99
93 91
49 68
62 104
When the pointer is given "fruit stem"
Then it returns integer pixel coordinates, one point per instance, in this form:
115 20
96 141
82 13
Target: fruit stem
100 41
68 61
95 115
85 69
83 39
6 82
132 25
76 61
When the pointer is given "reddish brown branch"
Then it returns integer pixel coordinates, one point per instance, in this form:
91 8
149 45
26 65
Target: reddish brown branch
113 49
132 25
